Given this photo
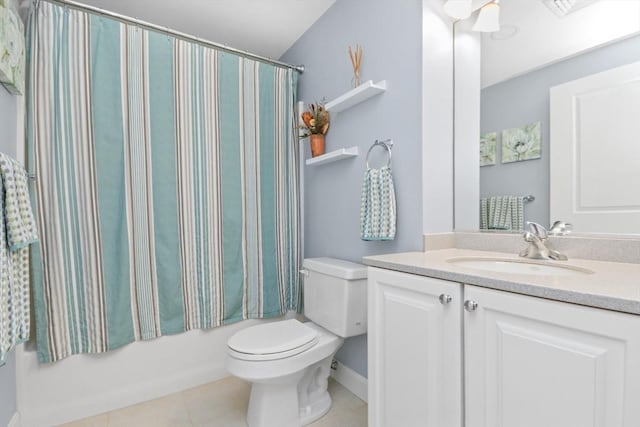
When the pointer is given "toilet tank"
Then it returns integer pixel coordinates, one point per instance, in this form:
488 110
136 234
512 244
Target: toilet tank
335 295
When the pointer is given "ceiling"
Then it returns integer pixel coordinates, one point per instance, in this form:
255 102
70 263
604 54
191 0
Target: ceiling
266 28
543 38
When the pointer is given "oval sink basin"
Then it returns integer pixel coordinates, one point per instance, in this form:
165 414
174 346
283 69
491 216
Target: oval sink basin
512 266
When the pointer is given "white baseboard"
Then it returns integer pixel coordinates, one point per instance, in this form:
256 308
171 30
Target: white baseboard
351 380
15 420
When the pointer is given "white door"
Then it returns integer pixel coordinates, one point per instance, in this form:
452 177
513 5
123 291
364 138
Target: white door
595 151
531 362
414 340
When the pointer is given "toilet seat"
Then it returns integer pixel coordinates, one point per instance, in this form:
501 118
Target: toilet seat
272 341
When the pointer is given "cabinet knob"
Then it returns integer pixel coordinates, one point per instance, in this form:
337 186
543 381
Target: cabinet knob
470 305
445 299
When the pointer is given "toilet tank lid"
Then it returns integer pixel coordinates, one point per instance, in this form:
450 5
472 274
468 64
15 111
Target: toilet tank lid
336 267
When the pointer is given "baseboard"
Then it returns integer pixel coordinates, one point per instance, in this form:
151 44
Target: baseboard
351 380
15 420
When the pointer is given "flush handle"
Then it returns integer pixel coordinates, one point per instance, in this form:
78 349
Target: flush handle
445 299
304 273
470 305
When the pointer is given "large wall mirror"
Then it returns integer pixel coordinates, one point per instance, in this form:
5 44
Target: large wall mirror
559 118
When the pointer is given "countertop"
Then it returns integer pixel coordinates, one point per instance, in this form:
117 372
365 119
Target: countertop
612 286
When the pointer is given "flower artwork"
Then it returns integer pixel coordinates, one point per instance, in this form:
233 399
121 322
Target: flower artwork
315 121
521 143
488 143
12 46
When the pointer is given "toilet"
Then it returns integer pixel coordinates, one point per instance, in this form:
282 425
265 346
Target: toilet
288 361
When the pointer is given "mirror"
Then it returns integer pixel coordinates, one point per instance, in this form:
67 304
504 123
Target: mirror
559 117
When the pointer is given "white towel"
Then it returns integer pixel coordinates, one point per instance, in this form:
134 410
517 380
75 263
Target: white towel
378 205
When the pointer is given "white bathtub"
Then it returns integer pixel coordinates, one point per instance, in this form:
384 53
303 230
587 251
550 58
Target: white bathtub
85 385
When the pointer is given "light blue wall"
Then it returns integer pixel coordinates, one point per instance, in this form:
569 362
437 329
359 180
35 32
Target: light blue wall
390 34
7 391
8 146
525 99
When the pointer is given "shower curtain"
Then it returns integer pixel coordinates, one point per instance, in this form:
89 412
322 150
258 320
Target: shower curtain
167 184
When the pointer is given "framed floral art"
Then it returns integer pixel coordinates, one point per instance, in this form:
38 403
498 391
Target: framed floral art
521 143
488 143
12 48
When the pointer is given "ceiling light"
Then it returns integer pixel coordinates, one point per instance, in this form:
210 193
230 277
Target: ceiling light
458 9
489 18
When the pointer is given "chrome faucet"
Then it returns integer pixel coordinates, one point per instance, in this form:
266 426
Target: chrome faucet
539 246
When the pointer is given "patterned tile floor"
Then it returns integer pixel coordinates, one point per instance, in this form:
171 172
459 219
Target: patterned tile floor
219 404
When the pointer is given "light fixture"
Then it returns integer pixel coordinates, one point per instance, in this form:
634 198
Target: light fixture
458 9
489 18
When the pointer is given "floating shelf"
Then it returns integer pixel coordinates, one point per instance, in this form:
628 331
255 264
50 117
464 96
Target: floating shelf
355 96
343 153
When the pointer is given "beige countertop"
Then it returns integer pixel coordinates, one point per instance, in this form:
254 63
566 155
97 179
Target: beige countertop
612 285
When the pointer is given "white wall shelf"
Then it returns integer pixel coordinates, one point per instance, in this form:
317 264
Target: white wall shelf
355 96
342 153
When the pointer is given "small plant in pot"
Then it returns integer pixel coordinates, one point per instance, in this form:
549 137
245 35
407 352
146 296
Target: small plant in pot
316 125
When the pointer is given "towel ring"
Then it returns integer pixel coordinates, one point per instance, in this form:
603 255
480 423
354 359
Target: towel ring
387 143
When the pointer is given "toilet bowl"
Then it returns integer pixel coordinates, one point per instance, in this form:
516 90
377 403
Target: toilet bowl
289 386
288 362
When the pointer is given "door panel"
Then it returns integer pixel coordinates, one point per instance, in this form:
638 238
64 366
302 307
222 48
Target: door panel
595 151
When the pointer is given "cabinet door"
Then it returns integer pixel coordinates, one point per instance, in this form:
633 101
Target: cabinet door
531 362
415 343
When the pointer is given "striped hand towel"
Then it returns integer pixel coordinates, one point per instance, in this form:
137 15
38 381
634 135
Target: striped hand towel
378 205
17 231
502 213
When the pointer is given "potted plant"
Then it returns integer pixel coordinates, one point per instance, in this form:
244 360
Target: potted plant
316 125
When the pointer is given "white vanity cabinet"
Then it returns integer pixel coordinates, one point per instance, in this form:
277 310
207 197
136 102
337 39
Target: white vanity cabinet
527 361
415 326
531 362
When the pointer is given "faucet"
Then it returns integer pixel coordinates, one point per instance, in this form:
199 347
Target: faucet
539 246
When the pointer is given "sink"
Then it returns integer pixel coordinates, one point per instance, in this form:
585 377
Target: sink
514 266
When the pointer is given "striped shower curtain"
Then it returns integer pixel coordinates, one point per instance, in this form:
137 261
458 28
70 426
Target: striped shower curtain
167 184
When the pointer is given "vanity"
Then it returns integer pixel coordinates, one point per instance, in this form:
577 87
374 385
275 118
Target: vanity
545 128
470 333
486 339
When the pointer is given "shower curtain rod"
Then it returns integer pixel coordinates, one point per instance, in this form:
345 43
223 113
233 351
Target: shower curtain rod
175 33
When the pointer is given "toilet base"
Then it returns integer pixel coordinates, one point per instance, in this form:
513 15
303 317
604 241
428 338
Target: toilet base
272 405
317 410
292 401
313 398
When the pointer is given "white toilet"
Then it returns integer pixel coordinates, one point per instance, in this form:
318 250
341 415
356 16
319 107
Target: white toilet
288 361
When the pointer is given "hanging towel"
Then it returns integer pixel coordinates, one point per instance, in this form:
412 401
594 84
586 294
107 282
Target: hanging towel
17 231
502 213
378 205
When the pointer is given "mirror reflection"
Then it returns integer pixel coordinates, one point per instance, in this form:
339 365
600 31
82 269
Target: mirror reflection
560 116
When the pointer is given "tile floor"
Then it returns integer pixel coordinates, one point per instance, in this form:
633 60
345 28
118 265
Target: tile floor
219 404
